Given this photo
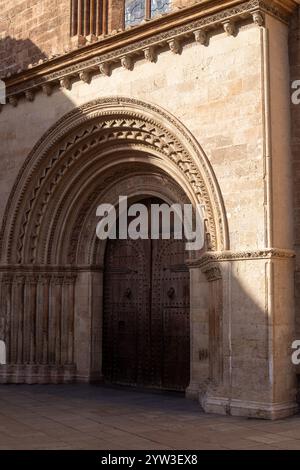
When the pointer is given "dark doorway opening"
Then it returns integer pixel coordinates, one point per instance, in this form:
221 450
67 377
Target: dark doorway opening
146 322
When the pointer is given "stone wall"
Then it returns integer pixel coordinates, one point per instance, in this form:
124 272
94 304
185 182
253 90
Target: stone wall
36 30
217 94
220 93
31 31
295 114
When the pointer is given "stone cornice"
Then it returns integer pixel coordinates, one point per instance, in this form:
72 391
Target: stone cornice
211 262
143 41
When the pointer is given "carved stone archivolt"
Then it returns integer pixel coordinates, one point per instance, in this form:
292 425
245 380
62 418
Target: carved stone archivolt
48 234
68 160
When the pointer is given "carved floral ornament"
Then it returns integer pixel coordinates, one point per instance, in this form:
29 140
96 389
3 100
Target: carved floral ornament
198 30
211 263
51 176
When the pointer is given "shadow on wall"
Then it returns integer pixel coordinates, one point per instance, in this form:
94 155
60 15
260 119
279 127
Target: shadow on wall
245 360
17 54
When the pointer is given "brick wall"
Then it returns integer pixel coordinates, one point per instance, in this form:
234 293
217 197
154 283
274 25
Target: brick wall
33 30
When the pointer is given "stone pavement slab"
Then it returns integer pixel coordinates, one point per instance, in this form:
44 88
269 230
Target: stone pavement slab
103 418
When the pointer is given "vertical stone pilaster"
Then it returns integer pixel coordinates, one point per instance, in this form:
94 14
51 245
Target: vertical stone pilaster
30 318
5 325
199 332
67 320
215 327
17 323
43 300
54 337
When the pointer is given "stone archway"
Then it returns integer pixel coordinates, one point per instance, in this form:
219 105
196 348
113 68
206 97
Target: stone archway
51 260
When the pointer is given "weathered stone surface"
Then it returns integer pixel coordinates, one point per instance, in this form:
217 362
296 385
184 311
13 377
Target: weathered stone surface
211 122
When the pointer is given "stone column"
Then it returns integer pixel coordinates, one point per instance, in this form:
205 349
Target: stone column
17 323
43 302
5 324
199 331
29 331
251 332
54 338
67 320
88 325
97 326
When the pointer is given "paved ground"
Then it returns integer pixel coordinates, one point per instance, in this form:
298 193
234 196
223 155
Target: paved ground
95 417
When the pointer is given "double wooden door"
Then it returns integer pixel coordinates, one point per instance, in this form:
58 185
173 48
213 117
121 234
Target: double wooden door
146 329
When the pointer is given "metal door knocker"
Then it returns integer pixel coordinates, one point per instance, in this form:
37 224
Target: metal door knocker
128 293
171 292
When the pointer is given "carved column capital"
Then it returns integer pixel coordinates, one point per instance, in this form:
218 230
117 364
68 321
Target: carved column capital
69 279
212 272
57 279
44 279
7 279
19 279
31 279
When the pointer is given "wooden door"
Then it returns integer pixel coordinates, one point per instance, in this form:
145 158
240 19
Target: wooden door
146 331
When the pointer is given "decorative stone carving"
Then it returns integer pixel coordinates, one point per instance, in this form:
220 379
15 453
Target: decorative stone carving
7 279
44 279
19 279
31 279
258 18
105 68
66 83
201 37
212 273
227 17
57 279
85 76
29 95
13 100
126 123
175 45
127 62
150 54
47 89
229 28
69 279
267 253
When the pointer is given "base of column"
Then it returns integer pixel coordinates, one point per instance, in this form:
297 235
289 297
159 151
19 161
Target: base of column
249 409
93 378
37 374
192 392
